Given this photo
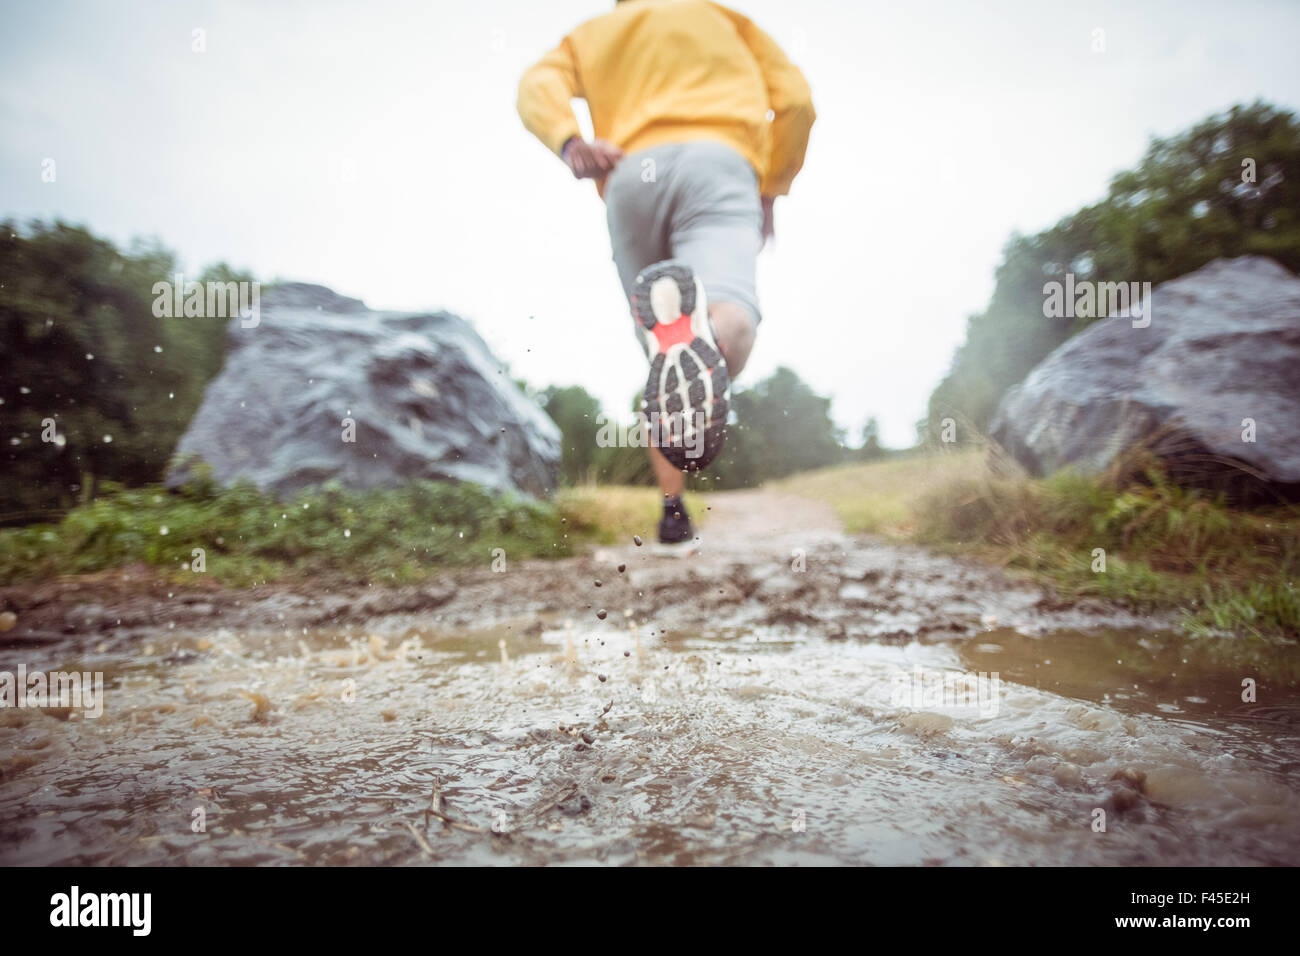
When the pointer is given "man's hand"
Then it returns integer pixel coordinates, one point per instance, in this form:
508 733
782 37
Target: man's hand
591 160
768 226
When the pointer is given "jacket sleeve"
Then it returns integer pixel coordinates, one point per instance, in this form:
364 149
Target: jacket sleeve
790 99
544 94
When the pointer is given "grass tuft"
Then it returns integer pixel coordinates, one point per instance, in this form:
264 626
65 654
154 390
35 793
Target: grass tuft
1231 570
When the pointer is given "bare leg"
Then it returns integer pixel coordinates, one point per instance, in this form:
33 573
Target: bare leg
671 480
734 330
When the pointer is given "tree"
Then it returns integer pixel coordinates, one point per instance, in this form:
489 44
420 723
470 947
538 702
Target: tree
577 415
782 427
870 449
95 386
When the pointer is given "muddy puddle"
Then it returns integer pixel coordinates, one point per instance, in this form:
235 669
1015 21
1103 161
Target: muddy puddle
747 708
612 743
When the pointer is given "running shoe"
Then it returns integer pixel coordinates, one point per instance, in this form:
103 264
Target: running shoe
676 536
685 401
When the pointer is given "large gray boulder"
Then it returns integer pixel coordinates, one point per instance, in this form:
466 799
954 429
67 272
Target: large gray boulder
1222 346
425 397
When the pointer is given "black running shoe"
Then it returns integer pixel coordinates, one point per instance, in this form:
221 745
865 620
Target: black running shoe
685 401
676 536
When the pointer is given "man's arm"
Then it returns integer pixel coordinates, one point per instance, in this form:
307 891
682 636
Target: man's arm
544 94
790 98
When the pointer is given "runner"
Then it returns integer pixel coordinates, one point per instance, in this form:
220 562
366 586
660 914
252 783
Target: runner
700 121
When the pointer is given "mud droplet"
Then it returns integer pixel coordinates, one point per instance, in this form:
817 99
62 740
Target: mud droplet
601 614
637 539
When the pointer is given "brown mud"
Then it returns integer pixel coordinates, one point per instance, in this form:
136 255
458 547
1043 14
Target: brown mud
763 702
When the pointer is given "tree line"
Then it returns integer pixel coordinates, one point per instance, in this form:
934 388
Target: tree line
99 384
779 426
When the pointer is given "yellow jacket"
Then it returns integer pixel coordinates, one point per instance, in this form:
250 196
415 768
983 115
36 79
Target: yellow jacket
666 71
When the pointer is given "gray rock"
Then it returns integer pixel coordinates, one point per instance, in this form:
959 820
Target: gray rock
427 398
1223 345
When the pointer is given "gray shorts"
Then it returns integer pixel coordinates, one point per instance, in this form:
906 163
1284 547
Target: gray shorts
695 201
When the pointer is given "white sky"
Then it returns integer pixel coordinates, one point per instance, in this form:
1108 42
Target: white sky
942 127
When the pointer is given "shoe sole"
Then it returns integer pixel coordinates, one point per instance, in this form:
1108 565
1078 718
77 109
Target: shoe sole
685 399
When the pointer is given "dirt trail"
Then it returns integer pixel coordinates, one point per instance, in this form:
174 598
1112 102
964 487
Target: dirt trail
768 557
772 700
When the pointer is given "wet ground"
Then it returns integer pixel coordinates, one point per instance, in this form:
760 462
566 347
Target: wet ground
790 696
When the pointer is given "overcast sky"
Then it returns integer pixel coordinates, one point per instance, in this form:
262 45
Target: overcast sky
374 147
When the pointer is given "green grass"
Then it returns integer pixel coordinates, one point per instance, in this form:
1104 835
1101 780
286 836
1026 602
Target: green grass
398 535
1230 570
612 514
880 497
249 537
